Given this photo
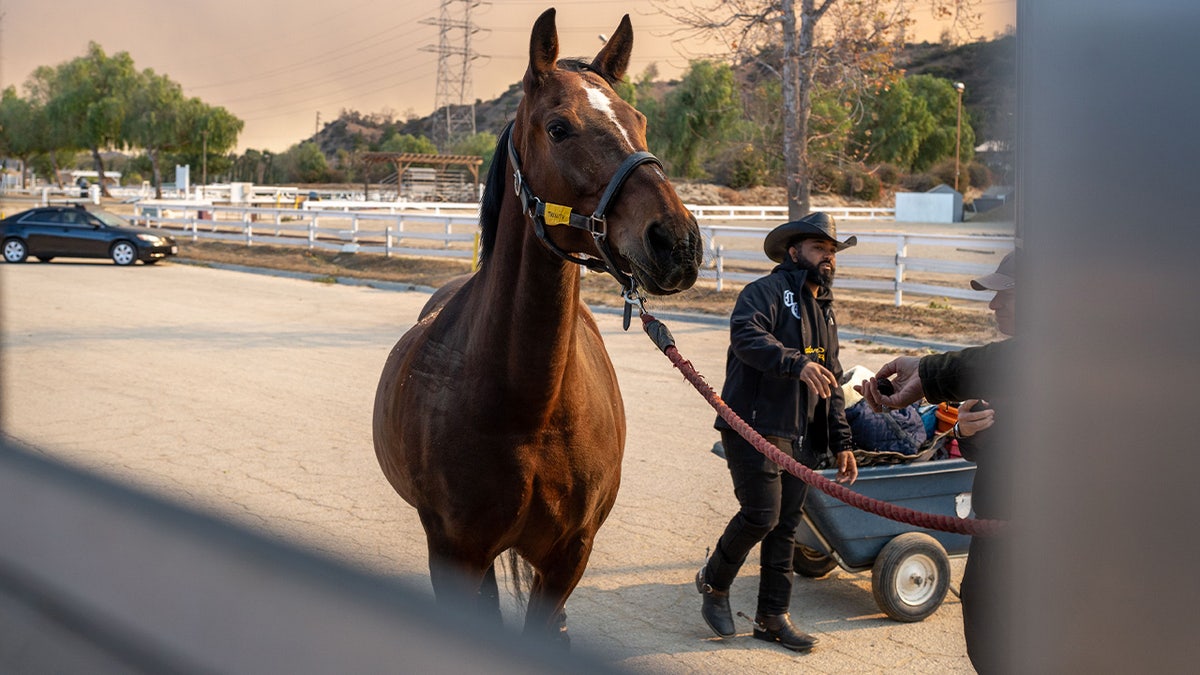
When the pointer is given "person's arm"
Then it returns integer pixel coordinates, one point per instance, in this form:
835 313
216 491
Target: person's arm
968 373
951 376
841 439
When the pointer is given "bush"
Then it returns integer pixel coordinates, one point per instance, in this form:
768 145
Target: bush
943 172
888 174
858 183
980 176
848 180
742 166
919 182
825 178
872 188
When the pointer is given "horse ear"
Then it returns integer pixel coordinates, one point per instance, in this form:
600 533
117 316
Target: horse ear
543 48
613 60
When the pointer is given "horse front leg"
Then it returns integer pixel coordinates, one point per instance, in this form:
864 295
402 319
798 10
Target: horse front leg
558 573
467 582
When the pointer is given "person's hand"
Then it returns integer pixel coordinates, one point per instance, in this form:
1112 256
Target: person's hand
971 421
907 385
847 467
820 380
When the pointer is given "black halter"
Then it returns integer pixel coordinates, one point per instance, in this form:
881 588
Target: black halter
546 214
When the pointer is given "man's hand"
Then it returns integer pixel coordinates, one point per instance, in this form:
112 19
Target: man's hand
847 467
907 384
971 421
818 378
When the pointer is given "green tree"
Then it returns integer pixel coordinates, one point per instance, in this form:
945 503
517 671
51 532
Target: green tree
698 114
304 163
156 121
894 126
209 133
941 99
54 134
21 128
854 46
93 100
408 143
251 166
482 145
830 124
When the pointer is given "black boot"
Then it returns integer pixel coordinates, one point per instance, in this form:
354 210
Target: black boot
715 606
779 628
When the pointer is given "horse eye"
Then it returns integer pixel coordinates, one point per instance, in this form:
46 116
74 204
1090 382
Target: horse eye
557 131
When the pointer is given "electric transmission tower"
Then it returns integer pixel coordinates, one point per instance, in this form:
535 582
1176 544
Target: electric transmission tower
455 105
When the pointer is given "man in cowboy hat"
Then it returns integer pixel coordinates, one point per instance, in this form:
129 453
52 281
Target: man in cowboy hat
781 377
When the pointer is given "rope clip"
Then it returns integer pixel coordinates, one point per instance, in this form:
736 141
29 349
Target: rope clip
632 297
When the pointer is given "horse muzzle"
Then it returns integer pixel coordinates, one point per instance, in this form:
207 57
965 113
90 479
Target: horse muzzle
674 252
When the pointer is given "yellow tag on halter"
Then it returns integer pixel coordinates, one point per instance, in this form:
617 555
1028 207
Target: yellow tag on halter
557 214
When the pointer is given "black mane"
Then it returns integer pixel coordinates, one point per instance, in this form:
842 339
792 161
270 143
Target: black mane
583 66
493 194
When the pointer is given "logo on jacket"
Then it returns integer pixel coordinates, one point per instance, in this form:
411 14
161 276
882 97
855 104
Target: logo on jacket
789 299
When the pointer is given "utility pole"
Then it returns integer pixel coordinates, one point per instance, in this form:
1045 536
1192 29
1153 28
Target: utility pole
455 104
959 87
204 160
2 56
317 128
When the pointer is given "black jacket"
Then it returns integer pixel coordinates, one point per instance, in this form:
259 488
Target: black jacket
979 372
766 354
974 372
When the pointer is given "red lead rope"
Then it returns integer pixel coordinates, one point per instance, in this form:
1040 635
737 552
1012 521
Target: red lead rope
666 343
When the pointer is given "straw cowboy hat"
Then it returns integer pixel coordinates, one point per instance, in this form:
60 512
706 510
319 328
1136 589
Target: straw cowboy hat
816 225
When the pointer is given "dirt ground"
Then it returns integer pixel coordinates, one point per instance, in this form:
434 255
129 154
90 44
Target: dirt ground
868 313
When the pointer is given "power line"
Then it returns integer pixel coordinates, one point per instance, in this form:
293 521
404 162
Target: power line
321 100
325 57
454 97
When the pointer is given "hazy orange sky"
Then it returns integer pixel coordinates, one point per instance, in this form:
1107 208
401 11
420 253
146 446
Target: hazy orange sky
279 64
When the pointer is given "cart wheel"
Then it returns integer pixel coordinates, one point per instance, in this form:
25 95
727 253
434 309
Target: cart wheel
809 562
910 577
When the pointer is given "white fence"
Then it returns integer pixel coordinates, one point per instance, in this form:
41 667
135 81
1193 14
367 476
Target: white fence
779 214
944 257
884 262
432 232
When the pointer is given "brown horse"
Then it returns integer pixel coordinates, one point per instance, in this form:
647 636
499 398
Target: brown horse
498 415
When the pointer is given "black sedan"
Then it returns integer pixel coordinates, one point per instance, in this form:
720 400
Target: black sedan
49 232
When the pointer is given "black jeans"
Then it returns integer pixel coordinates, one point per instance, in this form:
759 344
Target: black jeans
984 592
770 500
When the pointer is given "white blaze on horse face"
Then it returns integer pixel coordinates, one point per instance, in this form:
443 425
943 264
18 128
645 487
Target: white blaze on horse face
600 101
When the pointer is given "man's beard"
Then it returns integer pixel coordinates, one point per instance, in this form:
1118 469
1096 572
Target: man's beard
823 277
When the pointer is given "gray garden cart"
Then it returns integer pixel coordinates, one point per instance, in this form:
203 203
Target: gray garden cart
910 566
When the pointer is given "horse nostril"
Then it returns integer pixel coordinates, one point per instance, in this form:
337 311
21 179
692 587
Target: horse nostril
658 240
669 248
676 253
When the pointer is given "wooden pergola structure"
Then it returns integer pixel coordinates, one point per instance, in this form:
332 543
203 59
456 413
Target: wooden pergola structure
403 160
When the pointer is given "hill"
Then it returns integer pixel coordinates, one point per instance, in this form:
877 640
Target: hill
988 69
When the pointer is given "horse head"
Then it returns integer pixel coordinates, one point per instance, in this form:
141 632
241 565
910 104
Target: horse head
582 151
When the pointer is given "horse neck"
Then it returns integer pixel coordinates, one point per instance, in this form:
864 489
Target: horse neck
529 307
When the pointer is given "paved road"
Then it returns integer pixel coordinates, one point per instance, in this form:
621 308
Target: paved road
249 396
